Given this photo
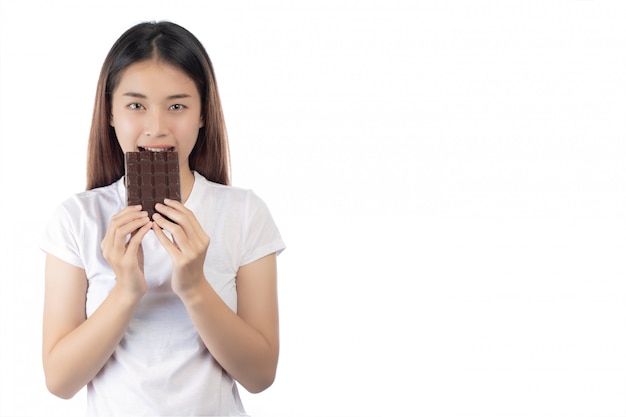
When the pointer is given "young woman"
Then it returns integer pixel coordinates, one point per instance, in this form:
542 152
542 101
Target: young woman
161 315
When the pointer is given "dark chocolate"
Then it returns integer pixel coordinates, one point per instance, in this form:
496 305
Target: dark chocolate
150 178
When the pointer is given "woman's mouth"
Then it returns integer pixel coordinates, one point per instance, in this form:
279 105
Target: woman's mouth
159 149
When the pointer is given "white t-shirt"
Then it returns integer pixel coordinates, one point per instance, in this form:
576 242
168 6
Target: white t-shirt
161 366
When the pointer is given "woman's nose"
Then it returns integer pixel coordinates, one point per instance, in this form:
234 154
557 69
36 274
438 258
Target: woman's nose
155 125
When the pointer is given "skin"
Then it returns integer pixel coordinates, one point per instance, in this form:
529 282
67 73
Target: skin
157 105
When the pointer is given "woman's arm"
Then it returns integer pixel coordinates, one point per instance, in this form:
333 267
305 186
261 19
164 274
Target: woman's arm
75 348
245 344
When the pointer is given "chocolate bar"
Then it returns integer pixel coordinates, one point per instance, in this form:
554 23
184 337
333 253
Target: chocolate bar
151 177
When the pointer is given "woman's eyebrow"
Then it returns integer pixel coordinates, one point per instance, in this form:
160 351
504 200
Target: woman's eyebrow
135 95
143 96
177 96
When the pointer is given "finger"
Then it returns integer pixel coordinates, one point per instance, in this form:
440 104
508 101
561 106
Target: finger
135 240
174 211
119 216
169 246
181 216
176 230
120 237
125 216
190 224
129 209
164 222
175 204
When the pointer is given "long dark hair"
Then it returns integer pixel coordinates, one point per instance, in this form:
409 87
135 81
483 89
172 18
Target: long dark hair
175 45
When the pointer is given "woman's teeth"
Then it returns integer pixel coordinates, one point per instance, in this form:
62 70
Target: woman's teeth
155 149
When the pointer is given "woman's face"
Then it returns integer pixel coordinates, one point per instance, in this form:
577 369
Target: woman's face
156 107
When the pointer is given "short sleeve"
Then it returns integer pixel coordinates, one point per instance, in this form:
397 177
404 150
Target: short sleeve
59 238
262 236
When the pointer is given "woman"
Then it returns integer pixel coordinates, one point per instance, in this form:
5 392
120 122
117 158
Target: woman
161 315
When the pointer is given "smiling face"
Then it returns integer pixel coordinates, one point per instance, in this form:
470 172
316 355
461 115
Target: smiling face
156 107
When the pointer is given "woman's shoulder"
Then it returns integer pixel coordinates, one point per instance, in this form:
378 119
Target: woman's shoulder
229 191
96 199
225 195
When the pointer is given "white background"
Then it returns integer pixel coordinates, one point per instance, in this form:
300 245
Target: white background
449 177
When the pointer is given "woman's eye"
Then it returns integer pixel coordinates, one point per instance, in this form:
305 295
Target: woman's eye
135 106
177 107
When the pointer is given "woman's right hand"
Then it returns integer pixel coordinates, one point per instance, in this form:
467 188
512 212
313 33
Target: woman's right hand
126 255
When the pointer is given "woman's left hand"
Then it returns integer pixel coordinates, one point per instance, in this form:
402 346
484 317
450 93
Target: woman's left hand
188 247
